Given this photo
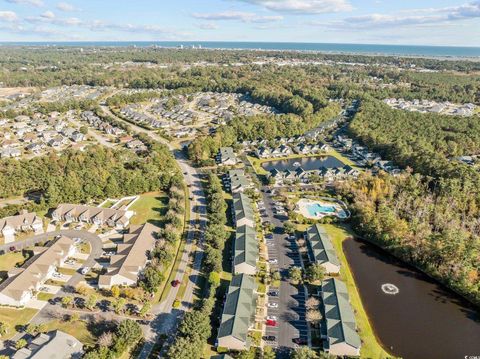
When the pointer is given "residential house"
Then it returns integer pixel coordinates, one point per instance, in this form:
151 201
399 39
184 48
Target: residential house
320 249
131 257
23 283
339 334
23 222
226 156
242 210
236 181
246 251
238 313
52 345
94 215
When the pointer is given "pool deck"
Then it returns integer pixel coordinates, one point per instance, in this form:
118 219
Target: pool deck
302 208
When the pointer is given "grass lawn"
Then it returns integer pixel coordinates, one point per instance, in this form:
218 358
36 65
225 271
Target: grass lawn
341 157
108 204
150 207
45 296
371 348
78 329
15 318
67 271
84 247
10 260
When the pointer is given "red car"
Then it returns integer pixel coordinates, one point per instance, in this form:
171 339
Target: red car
271 323
175 283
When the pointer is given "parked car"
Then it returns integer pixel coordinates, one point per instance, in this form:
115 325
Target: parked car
273 293
175 283
273 261
300 341
85 270
12 249
272 305
272 317
269 338
271 323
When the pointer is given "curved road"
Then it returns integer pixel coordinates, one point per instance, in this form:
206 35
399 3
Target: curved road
166 317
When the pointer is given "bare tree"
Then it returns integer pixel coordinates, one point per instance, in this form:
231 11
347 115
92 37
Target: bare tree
313 316
105 340
312 303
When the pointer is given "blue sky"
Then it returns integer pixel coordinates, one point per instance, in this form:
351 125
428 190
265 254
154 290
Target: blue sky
425 22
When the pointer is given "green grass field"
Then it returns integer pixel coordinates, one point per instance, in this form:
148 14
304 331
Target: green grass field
77 329
150 207
15 318
10 260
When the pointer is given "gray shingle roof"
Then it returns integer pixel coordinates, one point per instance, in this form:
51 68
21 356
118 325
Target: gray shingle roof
339 317
320 245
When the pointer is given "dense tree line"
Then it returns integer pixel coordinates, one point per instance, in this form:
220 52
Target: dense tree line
433 229
195 328
82 177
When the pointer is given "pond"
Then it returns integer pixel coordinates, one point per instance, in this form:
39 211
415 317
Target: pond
307 163
413 316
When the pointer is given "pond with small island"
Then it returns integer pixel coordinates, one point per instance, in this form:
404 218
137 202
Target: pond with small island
413 316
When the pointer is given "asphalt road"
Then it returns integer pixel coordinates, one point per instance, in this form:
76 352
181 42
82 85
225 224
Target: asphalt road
166 317
291 323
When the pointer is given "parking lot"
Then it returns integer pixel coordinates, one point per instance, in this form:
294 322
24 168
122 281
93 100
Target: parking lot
286 304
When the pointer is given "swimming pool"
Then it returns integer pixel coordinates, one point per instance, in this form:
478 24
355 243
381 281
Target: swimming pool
315 208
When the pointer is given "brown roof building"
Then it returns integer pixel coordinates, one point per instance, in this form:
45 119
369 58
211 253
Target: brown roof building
94 215
131 257
22 283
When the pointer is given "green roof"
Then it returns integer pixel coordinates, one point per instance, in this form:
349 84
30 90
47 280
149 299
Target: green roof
320 245
226 153
239 308
246 246
339 317
242 206
237 179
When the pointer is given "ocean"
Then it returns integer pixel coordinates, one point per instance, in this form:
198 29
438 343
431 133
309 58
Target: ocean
400 50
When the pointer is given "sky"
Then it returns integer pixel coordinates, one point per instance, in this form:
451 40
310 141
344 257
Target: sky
407 22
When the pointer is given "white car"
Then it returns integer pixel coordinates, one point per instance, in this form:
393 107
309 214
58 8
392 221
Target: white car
85 270
273 261
272 305
272 317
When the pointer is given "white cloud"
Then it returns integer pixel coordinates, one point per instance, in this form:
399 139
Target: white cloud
48 15
427 16
237 16
303 6
66 7
37 3
208 26
8 16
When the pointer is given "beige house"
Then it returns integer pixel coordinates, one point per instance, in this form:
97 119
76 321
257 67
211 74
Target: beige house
93 215
23 283
131 257
24 222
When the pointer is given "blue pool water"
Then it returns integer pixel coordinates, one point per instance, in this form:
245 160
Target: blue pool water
315 208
